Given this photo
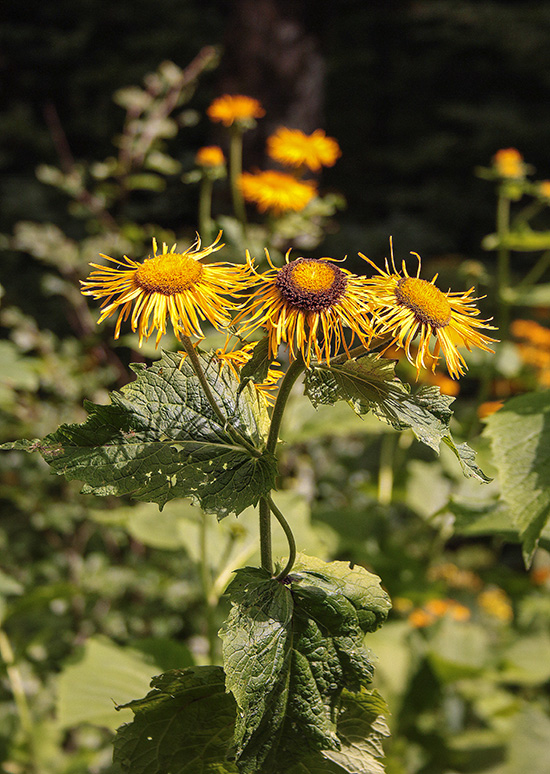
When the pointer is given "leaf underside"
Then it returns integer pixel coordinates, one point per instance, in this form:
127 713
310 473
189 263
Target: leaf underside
369 383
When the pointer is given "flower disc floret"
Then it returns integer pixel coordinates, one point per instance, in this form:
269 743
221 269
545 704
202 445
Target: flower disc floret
168 285
430 305
307 304
293 148
405 308
310 284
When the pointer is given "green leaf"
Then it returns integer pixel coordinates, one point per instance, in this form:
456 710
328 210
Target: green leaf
289 651
106 673
183 726
159 439
369 384
520 442
528 748
458 650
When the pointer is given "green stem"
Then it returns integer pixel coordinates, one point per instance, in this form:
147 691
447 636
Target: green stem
503 262
290 537
235 170
205 208
294 371
265 536
527 213
197 367
385 471
206 583
536 272
18 691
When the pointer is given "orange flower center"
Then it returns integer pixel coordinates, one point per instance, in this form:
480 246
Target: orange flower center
430 305
311 284
168 274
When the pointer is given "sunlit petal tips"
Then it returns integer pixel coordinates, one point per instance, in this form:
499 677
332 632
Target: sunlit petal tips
167 285
307 304
405 308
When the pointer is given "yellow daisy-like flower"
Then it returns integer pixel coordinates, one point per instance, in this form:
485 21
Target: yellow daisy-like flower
307 304
168 284
509 163
276 191
210 156
296 149
235 109
404 307
237 358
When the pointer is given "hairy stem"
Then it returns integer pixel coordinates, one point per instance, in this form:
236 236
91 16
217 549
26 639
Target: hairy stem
197 367
290 537
294 371
265 536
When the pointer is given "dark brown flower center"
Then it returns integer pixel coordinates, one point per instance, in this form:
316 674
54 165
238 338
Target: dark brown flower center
311 284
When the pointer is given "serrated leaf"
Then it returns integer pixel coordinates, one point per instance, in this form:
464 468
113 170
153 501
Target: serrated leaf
289 651
520 442
369 384
183 726
159 439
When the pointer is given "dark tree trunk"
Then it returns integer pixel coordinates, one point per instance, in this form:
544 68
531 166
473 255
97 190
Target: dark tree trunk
272 54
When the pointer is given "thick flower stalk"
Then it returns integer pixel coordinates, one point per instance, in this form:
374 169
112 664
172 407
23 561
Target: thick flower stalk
167 286
406 307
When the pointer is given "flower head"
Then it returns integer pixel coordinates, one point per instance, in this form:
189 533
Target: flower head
405 307
307 304
235 109
276 191
167 285
210 156
296 149
509 163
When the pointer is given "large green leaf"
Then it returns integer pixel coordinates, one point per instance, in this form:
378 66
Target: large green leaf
520 442
159 439
183 726
104 674
290 649
369 384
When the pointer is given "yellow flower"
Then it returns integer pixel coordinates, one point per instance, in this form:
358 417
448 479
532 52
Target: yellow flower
169 284
307 304
509 163
296 149
276 191
210 156
237 358
404 307
235 109
495 602
544 188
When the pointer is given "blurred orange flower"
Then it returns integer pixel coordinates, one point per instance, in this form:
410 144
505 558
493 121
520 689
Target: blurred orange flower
235 108
296 149
276 191
210 156
509 163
